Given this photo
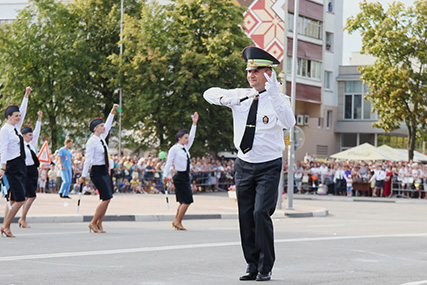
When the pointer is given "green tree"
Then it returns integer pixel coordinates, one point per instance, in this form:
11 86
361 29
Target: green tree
62 51
397 80
38 50
172 55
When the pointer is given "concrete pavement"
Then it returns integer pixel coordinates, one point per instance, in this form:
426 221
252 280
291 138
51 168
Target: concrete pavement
49 208
146 207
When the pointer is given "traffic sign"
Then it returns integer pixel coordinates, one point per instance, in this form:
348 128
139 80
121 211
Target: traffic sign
299 137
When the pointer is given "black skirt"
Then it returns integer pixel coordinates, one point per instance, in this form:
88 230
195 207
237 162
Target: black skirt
32 179
183 193
103 181
16 174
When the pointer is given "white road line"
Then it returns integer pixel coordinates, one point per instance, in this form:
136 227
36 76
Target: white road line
189 246
416 283
52 233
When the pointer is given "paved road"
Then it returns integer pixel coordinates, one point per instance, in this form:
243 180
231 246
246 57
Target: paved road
358 243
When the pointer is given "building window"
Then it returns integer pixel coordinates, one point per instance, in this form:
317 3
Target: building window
306 26
328 77
367 138
319 123
348 140
329 42
397 142
328 119
330 6
306 68
355 107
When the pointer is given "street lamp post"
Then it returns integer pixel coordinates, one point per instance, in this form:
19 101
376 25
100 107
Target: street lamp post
120 78
291 153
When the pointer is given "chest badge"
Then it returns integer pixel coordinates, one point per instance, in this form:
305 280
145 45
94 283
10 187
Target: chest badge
265 120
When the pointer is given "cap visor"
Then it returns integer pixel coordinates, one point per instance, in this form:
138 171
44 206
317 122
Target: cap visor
257 67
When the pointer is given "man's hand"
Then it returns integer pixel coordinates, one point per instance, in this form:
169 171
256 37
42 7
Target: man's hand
272 85
40 114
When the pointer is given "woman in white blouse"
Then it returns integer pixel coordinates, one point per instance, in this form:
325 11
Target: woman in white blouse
179 156
13 160
100 174
32 162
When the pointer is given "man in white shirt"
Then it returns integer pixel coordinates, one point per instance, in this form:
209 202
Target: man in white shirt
259 114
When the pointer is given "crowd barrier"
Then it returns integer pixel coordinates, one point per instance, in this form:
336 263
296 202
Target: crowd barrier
408 188
201 181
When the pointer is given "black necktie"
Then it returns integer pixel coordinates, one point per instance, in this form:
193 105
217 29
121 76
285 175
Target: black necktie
107 164
21 142
249 134
188 160
34 156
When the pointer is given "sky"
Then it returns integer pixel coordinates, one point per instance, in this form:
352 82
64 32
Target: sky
353 42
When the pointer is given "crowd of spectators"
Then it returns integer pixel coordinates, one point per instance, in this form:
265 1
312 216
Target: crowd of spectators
405 179
134 174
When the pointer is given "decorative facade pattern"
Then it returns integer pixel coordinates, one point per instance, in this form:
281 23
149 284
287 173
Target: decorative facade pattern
265 27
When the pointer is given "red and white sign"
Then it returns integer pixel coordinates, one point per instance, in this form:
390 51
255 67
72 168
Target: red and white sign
44 154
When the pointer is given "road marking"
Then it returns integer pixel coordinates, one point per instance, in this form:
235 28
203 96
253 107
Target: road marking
416 283
53 233
189 246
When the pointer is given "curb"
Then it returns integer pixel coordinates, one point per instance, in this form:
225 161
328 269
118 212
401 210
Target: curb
157 217
312 214
120 218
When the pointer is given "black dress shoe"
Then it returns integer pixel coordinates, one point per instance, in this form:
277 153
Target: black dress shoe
66 197
263 276
60 195
248 276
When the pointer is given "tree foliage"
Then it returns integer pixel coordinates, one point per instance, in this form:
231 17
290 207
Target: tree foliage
398 78
61 51
172 55
37 50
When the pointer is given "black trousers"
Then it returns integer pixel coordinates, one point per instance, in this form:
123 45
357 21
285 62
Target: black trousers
257 190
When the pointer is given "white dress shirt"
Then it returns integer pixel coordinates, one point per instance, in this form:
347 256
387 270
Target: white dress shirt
379 175
339 174
274 113
33 145
94 148
178 156
10 147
